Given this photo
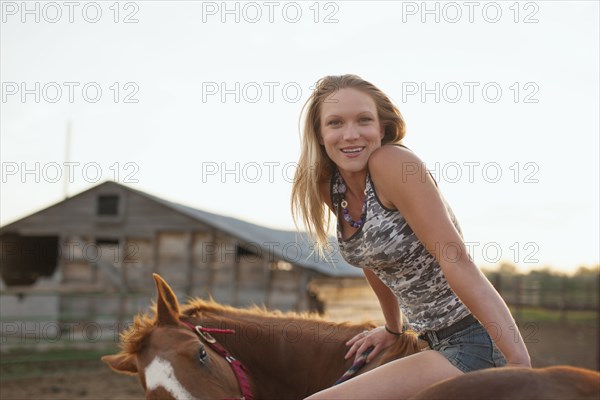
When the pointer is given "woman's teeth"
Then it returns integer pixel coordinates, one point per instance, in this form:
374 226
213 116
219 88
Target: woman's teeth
353 150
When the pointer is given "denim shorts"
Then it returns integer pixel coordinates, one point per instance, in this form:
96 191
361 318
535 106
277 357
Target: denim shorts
469 349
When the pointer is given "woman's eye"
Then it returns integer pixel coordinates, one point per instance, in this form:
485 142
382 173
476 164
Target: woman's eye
366 119
334 122
202 355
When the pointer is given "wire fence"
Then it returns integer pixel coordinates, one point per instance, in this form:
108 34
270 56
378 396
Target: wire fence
559 293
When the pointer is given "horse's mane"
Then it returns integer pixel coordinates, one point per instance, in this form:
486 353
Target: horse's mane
132 339
197 305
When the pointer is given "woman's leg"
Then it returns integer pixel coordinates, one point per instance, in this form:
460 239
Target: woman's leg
396 380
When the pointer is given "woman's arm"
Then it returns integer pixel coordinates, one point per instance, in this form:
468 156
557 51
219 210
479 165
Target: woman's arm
387 301
403 183
379 338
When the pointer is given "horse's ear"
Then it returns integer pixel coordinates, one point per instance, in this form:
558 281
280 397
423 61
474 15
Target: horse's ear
122 363
167 306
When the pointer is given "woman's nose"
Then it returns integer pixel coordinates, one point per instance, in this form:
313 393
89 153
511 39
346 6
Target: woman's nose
351 132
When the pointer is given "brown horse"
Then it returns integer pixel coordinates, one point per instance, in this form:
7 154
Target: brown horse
288 355
511 383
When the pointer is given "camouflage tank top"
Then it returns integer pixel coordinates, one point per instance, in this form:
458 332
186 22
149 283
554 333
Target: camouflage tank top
386 244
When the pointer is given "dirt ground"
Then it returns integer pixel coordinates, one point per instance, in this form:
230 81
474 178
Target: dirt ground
548 343
551 343
90 380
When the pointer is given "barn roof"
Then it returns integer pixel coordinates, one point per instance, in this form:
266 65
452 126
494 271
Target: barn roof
293 247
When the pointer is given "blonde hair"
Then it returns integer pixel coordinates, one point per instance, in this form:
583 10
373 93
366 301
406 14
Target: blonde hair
315 166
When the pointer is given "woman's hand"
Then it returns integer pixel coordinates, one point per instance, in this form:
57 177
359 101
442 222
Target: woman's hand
378 338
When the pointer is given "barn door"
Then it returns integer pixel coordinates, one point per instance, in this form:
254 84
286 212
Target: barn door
110 261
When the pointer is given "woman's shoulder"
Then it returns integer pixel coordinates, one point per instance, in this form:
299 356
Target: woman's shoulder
396 158
397 171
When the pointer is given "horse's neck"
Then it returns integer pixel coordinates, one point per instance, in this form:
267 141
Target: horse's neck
262 332
298 354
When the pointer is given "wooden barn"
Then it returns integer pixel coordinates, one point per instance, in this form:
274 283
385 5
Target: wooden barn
111 238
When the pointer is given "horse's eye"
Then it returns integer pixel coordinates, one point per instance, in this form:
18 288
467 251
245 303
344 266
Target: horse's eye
202 355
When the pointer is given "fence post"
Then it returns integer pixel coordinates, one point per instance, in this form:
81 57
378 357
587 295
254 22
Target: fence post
498 283
563 299
518 295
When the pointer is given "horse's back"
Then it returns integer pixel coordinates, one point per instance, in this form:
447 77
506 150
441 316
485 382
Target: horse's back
552 383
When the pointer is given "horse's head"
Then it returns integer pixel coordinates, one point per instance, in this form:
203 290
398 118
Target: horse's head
173 360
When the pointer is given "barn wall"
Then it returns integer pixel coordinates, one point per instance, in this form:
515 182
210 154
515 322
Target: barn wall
171 259
253 280
77 252
229 276
138 264
194 263
283 293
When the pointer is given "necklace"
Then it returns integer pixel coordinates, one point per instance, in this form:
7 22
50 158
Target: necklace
344 204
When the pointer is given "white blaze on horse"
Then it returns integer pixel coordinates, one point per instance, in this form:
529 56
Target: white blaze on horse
160 374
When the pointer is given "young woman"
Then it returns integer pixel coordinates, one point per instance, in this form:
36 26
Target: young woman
393 222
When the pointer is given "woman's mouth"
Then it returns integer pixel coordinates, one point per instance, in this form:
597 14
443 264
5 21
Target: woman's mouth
352 151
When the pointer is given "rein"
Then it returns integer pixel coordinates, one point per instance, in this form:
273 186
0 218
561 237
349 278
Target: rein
239 370
356 366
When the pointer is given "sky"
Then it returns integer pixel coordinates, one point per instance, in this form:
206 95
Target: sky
199 103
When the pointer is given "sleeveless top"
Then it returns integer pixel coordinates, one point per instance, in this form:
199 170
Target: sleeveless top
387 245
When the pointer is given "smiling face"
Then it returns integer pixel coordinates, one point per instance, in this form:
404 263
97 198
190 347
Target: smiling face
350 129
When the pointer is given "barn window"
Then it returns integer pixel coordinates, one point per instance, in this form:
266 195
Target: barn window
108 205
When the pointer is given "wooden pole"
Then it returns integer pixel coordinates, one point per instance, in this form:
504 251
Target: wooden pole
498 282
563 299
269 288
155 253
120 262
189 265
67 176
302 293
212 265
518 295
236 277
